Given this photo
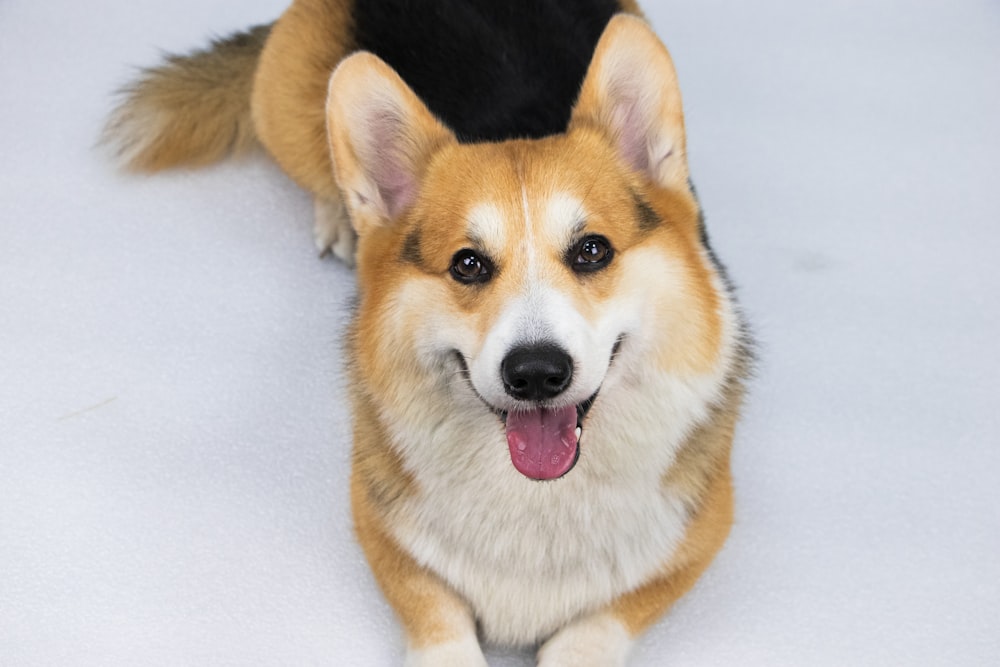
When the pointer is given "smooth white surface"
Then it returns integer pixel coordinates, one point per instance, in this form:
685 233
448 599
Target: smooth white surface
173 439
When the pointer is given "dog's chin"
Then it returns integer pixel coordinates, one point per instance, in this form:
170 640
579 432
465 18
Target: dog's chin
543 439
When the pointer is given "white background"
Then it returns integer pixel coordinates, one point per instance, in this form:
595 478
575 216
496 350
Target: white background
173 435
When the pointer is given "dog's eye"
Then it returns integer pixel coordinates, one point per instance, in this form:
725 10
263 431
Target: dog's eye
468 267
592 253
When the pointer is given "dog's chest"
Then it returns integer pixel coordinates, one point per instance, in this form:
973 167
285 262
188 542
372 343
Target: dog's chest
529 556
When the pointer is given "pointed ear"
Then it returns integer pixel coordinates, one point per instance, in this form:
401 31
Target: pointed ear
631 94
381 139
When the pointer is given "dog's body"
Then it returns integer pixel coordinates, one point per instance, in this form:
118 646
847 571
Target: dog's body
546 359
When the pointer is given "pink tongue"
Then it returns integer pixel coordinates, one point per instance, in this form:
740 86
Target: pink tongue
542 442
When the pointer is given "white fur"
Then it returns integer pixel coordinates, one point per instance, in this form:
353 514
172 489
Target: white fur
464 652
594 641
527 239
132 129
563 212
542 314
332 229
486 224
531 556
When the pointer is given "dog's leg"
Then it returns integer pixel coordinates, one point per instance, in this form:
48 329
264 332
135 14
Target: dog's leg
332 229
439 625
463 652
440 628
603 639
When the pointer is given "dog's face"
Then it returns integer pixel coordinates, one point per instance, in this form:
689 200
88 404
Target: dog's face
529 266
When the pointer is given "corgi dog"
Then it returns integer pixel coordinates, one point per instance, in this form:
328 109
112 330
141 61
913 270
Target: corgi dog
546 359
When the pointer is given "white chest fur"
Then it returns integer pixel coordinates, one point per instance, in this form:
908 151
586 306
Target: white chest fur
530 556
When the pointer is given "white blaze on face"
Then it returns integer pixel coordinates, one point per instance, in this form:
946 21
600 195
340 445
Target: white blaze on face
538 311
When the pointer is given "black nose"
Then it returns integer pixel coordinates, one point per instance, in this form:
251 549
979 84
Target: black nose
536 372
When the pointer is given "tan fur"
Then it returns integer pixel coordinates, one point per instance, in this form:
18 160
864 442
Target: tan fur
290 88
452 190
192 110
431 612
268 85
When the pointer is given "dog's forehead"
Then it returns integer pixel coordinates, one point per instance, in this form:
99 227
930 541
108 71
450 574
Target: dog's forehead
522 198
547 217
487 224
562 214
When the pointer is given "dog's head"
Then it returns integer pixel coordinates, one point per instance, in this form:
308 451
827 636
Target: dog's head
529 265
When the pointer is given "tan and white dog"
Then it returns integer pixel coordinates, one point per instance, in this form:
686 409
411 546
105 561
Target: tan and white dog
546 360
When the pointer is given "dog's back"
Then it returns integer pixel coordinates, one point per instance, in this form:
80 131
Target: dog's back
490 70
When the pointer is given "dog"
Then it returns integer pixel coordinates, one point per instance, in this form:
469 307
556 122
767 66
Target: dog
546 360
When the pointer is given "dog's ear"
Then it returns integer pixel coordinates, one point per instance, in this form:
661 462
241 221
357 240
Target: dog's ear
631 94
381 139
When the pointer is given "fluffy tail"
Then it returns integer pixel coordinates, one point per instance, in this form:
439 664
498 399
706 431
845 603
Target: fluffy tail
192 110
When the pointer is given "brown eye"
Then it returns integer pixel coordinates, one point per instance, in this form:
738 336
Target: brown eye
591 254
469 267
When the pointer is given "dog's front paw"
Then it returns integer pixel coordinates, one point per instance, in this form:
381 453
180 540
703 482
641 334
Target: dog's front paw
459 653
594 641
332 230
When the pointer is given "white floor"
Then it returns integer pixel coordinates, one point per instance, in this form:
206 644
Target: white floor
173 441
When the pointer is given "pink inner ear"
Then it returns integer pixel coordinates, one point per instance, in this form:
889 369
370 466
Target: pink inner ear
632 129
635 130
389 164
396 184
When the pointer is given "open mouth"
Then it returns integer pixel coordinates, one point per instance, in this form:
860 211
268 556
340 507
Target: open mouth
544 442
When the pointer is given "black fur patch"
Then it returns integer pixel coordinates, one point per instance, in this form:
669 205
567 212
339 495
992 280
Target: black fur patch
707 243
411 249
490 69
648 219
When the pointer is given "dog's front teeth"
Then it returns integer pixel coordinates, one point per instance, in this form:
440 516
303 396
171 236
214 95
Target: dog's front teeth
579 430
